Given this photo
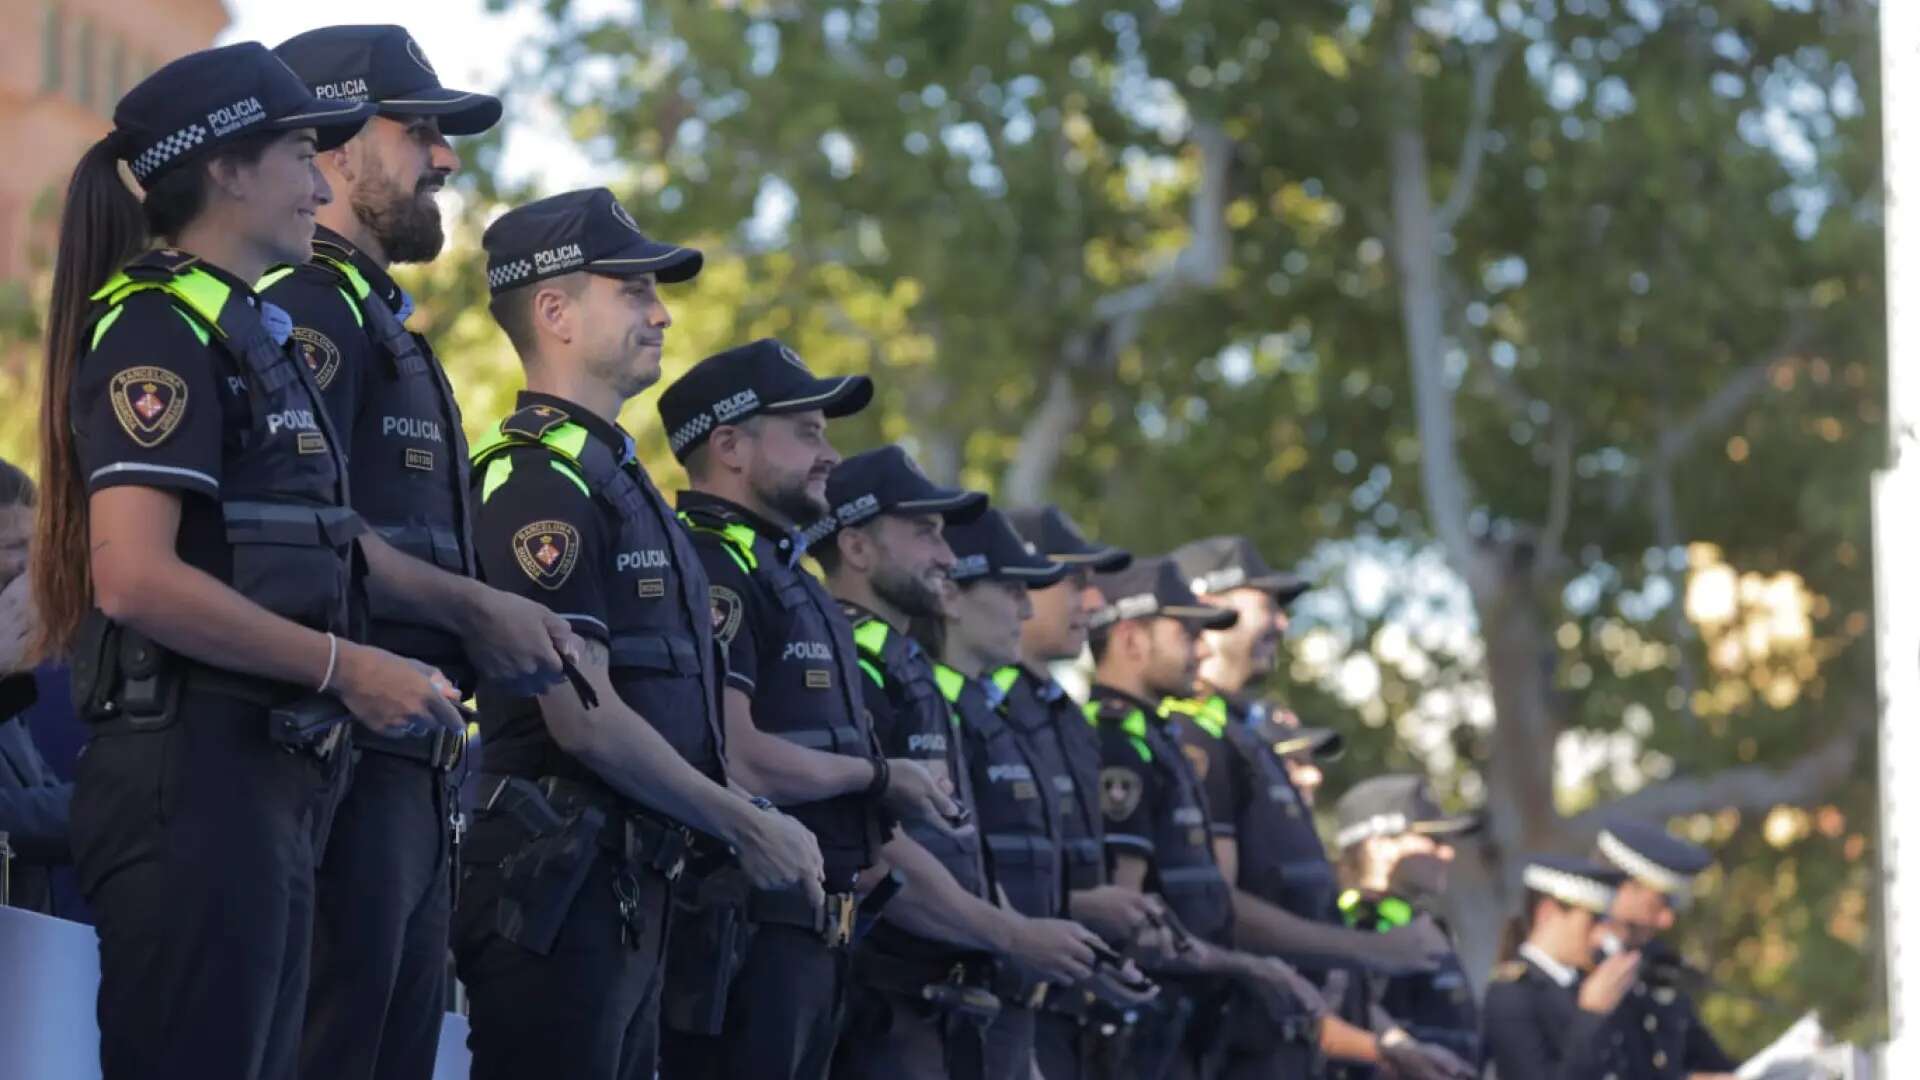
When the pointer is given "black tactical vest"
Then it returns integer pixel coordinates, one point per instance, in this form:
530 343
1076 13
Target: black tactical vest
1066 756
408 461
1183 862
1013 806
807 701
661 656
283 489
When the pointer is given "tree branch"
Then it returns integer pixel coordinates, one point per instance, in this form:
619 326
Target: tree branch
1553 535
1473 147
1718 410
1666 532
1748 788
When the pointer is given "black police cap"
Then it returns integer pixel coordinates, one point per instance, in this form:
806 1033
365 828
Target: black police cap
208 99
1148 588
1393 805
887 481
385 67
1048 531
1653 856
987 549
573 231
763 378
1219 563
1577 882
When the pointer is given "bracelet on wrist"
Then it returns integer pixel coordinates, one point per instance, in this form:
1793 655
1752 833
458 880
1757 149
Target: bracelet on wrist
882 776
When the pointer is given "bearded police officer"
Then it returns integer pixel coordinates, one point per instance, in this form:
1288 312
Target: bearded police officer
1157 826
1073 1035
380 940
750 424
588 793
923 976
1663 1034
1284 886
1550 1011
1396 847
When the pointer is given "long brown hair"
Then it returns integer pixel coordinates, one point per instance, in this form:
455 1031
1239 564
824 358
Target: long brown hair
103 226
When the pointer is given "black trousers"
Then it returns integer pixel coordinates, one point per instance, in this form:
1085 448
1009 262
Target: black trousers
1060 1048
1009 1044
587 1010
378 992
783 1015
196 846
888 1037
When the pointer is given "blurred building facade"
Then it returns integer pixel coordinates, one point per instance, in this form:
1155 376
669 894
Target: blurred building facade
63 63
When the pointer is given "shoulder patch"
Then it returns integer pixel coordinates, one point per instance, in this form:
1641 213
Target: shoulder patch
320 353
547 550
727 613
1120 791
149 402
1196 757
1509 971
534 421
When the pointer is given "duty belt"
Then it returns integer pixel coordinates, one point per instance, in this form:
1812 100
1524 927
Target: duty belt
833 921
441 750
957 987
629 835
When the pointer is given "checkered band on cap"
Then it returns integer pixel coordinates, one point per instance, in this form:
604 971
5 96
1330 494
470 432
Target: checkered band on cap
686 433
507 273
1583 892
153 158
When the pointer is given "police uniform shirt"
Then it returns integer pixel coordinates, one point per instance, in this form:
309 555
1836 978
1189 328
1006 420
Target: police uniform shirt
156 404
405 449
1659 1034
912 726
1154 809
769 648
1533 1027
541 534
1050 722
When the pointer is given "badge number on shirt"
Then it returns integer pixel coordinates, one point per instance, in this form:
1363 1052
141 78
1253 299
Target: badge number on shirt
149 402
546 551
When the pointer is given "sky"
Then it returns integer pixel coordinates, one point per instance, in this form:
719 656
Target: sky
470 48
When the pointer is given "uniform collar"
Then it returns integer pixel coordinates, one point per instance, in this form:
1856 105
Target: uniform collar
1045 686
1562 975
1103 692
330 243
613 435
791 543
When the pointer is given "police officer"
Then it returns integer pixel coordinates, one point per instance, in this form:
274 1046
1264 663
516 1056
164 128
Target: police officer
587 793
1073 1036
380 966
887 562
1284 886
750 424
978 636
1396 847
1550 1010
1158 831
195 559
1664 1036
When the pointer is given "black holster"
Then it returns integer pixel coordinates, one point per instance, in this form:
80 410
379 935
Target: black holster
544 858
706 951
123 679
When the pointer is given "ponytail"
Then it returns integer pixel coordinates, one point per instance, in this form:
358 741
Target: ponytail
1520 927
102 228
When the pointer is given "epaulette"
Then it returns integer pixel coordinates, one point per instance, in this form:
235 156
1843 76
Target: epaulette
534 421
160 265
1510 971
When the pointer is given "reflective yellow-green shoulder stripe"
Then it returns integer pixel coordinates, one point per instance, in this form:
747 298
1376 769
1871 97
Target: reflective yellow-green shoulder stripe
873 673
1135 726
1006 677
497 472
568 438
361 288
950 682
202 293
568 471
871 635
1209 715
272 277
735 539
279 273
112 316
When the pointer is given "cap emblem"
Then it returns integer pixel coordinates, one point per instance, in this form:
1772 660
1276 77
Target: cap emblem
620 215
413 50
793 358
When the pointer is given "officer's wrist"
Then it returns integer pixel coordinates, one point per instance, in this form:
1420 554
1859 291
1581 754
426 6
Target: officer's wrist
882 778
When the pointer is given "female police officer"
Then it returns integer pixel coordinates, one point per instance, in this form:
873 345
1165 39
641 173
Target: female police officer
196 557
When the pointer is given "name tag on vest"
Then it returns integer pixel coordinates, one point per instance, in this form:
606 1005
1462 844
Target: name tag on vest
420 459
818 679
310 442
652 588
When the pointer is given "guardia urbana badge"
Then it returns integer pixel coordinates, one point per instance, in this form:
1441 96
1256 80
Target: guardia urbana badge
149 402
546 551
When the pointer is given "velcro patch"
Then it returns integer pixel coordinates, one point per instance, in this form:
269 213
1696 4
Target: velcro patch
149 402
546 551
819 679
310 442
320 353
1120 791
420 459
727 613
652 588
